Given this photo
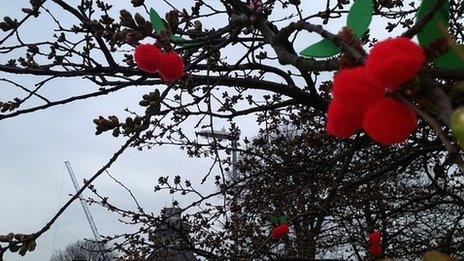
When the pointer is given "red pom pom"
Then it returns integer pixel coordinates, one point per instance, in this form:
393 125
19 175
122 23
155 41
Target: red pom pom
375 237
389 121
376 250
279 231
394 62
173 67
343 121
354 87
148 58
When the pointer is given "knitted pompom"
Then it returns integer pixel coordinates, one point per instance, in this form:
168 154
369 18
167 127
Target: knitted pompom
355 88
393 62
375 237
173 67
342 120
389 121
148 58
280 231
376 250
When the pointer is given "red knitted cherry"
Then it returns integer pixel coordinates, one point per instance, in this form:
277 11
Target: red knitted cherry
173 67
376 250
343 121
148 58
375 237
279 231
389 121
355 88
395 61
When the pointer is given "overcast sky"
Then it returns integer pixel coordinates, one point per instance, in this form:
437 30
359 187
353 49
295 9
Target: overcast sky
34 147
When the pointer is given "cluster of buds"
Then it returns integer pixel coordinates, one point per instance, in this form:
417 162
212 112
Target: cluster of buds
105 124
8 24
20 243
258 11
256 6
152 102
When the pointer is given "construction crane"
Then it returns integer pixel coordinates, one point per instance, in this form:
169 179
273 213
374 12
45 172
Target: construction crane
87 213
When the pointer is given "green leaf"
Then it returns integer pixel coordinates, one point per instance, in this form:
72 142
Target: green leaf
158 25
321 49
156 22
432 31
436 29
360 16
283 219
274 220
177 38
451 60
359 19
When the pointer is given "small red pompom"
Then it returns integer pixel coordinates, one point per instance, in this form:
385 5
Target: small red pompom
389 121
393 62
375 237
342 120
173 67
376 250
355 88
148 58
279 231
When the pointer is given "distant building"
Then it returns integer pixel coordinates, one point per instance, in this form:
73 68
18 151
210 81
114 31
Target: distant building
167 237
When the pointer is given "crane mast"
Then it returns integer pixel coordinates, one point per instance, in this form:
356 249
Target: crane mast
86 209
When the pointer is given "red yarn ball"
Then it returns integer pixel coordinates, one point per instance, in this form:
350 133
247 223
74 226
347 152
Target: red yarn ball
376 250
342 120
375 237
394 62
389 121
280 231
173 67
148 58
355 88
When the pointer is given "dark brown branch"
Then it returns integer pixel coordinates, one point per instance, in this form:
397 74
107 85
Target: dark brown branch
69 100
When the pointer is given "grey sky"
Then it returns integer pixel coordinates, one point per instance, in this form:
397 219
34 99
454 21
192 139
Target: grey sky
34 147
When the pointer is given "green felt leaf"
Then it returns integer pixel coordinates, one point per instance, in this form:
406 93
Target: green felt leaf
283 219
156 22
158 25
359 19
321 49
436 29
177 38
275 220
451 60
433 29
360 16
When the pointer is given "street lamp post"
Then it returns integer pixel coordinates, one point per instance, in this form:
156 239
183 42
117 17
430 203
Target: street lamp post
223 135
